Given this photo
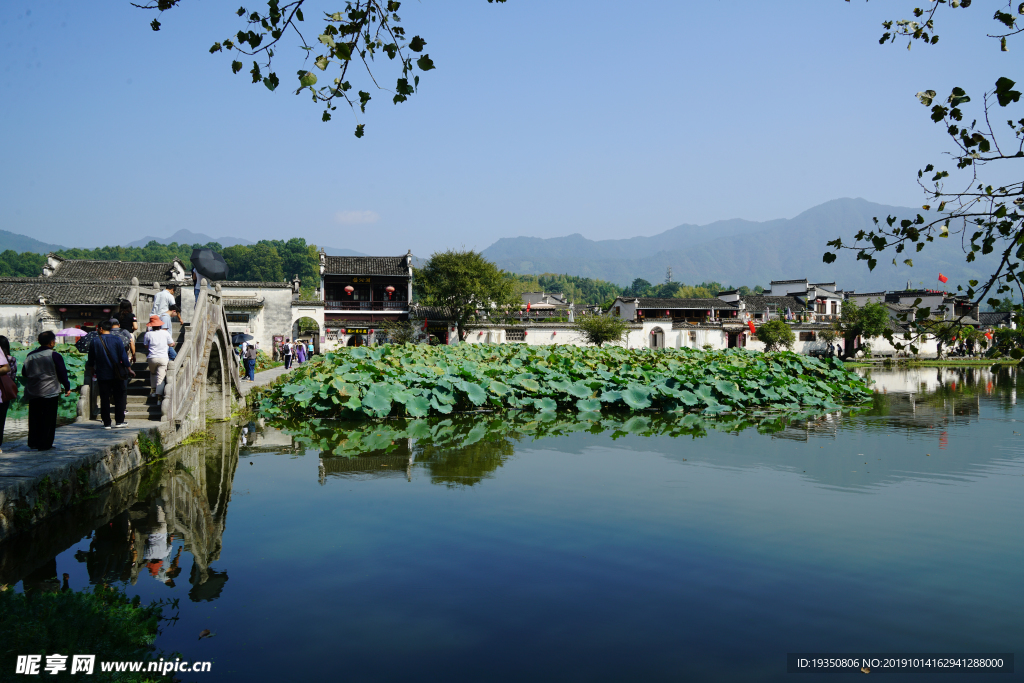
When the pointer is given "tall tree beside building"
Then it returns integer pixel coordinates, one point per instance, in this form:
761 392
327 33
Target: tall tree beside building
461 283
775 335
601 329
857 324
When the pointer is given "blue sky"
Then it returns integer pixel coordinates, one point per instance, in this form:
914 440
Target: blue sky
542 118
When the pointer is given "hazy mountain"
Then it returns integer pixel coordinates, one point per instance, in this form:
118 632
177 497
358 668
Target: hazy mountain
744 253
21 243
189 237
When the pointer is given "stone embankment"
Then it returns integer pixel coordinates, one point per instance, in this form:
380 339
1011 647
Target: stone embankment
85 457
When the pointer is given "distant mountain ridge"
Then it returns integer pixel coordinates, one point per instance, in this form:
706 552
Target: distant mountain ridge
743 252
23 243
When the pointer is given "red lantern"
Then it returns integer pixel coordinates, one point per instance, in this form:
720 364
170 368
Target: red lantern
62 310
106 310
349 289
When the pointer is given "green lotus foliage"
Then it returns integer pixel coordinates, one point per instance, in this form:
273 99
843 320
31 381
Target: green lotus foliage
420 381
448 435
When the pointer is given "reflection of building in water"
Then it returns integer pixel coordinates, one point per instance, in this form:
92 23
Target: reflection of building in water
394 463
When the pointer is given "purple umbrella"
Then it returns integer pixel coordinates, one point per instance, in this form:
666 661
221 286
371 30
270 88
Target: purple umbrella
70 332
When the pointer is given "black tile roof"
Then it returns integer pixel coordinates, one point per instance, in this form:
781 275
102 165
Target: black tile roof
366 265
760 302
299 302
80 269
242 284
995 318
241 302
27 290
788 282
728 291
682 303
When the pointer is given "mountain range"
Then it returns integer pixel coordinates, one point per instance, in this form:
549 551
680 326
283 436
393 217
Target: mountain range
735 251
740 252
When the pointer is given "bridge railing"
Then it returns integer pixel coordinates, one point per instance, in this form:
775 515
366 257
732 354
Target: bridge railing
187 373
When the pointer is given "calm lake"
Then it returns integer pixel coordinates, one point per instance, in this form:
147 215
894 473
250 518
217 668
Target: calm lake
600 554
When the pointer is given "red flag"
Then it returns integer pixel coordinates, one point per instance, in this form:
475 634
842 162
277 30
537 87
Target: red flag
750 324
425 321
988 335
527 306
943 279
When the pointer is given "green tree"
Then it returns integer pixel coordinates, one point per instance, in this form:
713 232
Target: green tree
775 335
462 283
985 215
859 324
257 263
360 32
25 264
601 329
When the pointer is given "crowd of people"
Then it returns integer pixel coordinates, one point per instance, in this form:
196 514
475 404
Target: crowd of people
110 351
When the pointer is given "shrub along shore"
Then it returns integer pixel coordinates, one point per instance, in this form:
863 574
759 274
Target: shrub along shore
418 381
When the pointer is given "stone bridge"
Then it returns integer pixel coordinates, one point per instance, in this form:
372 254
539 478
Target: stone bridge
203 381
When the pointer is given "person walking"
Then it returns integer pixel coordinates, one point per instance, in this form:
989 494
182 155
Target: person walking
127 317
8 371
127 338
250 362
309 350
158 341
162 303
108 358
196 278
300 351
44 374
286 351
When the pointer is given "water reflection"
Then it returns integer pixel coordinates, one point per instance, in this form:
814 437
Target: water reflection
140 525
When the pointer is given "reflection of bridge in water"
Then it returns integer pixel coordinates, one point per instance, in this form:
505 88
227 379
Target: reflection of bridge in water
135 524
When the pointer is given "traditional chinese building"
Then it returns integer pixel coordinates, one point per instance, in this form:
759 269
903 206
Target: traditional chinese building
360 293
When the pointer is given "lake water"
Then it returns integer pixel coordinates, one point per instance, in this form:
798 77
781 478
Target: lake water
599 554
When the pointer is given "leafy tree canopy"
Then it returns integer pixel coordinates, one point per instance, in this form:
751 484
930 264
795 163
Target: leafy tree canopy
984 213
776 335
601 329
462 283
357 34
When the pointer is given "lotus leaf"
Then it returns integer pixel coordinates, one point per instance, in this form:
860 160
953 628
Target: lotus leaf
588 405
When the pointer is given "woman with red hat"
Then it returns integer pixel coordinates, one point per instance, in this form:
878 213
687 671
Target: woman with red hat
158 342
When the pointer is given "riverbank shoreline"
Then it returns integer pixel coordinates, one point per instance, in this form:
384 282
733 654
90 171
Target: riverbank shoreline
934 363
84 459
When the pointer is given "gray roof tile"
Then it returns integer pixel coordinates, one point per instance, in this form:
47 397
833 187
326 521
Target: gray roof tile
366 265
80 269
61 292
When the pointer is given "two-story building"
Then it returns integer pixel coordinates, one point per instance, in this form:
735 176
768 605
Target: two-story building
359 293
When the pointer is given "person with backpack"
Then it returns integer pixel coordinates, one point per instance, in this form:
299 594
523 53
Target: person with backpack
250 362
109 360
8 389
44 375
286 351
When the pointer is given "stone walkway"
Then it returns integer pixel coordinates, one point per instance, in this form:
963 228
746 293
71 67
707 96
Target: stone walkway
264 378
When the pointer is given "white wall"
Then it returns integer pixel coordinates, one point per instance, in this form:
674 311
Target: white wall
21 323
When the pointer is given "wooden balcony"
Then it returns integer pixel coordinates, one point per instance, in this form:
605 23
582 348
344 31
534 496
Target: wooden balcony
366 305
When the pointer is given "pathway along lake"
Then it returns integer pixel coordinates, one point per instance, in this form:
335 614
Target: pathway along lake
605 556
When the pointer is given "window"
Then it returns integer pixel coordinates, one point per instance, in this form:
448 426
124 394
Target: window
515 335
835 307
807 336
237 317
617 312
693 337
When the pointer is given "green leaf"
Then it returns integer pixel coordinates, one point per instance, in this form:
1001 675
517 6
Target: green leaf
425 63
529 385
271 82
580 390
545 404
637 397
418 406
417 44
236 66
359 130
588 405
475 393
306 78
322 62
378 403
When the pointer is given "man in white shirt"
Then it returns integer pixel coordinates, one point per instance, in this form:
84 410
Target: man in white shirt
162 303
158 341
